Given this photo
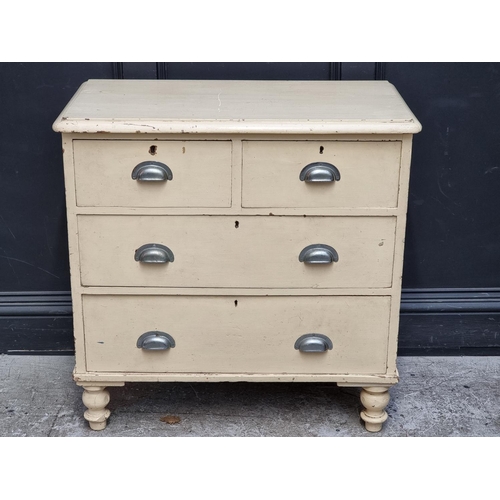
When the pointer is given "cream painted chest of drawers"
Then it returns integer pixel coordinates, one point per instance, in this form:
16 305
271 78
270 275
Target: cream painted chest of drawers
236 231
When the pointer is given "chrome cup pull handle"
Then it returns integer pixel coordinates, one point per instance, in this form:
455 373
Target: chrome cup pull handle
155 341
154 253
320 172
152 171
318 254
313 342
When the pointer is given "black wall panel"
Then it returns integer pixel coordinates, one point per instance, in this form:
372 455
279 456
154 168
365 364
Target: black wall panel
451 281
33 237
249 71
453 236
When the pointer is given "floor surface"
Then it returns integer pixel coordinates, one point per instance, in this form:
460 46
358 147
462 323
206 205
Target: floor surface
436 396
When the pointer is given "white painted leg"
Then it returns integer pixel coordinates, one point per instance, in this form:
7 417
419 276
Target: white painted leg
96 398
374 400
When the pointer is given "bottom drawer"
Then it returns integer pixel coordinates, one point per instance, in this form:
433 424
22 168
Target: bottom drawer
230 334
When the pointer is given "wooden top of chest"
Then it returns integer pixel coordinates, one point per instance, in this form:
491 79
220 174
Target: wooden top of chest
213 106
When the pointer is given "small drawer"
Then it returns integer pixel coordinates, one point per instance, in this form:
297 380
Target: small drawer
368 171
197 173
236 252
221 335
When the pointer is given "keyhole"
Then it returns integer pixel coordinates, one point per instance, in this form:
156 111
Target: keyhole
152 150
236 224
321 149
235 303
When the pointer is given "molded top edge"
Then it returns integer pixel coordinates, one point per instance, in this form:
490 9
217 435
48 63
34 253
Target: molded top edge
225 106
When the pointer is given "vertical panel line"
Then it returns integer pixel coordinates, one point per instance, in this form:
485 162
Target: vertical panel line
117 70
380 68
335 71
161 71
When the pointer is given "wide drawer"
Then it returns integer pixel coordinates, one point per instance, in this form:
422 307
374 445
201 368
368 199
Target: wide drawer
369 174
221 334
201 173
220 251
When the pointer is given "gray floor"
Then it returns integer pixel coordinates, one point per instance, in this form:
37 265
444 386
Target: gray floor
437 396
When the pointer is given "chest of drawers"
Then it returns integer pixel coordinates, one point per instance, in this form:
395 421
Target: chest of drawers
236 231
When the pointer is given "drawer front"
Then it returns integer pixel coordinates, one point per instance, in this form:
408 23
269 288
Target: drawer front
201 173
247 252
220 334
369 174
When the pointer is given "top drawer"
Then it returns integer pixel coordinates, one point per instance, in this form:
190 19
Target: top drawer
201 173
369 174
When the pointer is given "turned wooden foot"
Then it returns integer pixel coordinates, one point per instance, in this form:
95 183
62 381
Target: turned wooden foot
96 399
374 400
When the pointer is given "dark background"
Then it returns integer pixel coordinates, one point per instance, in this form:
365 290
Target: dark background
451 281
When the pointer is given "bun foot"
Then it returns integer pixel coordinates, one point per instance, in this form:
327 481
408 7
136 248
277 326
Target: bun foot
374 400
96 399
